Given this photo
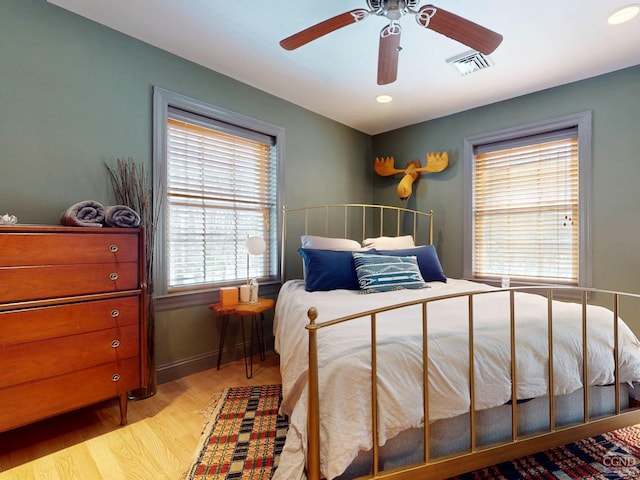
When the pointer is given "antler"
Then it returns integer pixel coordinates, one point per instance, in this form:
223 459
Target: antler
436 162
384 167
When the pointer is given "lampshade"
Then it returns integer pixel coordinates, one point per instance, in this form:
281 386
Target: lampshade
256 245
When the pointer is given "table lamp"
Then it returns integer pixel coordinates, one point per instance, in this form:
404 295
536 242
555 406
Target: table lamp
255 246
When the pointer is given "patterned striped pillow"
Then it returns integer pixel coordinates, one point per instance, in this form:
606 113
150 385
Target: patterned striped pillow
382 273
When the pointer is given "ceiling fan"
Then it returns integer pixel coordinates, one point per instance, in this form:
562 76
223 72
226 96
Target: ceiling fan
429 16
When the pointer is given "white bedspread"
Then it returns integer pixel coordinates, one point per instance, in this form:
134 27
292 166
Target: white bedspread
345 373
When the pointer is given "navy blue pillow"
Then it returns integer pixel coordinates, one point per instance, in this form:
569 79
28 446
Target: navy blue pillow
428 261
328 269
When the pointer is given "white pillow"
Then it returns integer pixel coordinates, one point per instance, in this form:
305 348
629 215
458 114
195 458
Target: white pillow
328 243
389 243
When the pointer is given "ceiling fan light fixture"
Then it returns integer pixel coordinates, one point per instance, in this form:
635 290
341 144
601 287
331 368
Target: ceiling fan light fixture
624 14
384 98
438 20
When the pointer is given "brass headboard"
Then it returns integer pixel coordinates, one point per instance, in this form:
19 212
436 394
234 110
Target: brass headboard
356 221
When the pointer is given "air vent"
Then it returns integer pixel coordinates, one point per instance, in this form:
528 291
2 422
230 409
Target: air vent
470 62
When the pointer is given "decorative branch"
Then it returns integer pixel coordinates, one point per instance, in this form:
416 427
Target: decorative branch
131 187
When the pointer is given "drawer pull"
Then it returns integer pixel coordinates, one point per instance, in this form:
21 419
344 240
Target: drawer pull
115 377
113 276
115 313
113 248
115 343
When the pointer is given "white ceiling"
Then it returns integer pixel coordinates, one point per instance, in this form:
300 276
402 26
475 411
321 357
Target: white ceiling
546 43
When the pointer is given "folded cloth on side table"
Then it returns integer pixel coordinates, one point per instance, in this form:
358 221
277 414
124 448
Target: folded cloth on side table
83 214
121 216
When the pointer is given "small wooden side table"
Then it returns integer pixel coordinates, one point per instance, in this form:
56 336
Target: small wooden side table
245 309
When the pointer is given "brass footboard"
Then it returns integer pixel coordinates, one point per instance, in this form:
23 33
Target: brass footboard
476 457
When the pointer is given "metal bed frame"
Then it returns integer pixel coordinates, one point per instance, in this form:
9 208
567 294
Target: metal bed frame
476 456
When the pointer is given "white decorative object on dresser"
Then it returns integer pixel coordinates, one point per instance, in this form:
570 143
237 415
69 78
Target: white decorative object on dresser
72 319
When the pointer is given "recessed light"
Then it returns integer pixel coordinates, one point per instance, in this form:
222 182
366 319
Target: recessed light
624 14
384 98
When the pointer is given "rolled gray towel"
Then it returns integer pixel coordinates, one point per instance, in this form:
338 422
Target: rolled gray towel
83 214
121 216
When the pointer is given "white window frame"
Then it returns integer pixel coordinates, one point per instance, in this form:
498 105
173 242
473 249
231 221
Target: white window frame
163 100
581 121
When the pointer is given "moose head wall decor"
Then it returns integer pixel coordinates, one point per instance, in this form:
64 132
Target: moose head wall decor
436 162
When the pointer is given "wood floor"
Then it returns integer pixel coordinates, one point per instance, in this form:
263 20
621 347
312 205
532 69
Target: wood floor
158 442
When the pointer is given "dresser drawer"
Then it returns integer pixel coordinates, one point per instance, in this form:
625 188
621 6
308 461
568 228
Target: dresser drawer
67 249
32 324
26 362
28 402
33 283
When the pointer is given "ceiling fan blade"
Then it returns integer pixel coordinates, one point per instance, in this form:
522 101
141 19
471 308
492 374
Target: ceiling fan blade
320 29
460 29
388 53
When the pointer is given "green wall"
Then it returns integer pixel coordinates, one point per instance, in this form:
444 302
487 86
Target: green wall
614 100
75 94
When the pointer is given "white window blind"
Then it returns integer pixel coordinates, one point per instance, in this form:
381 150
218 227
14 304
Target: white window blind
221 188
525 209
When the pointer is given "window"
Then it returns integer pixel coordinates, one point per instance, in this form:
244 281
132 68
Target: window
527 203
217 174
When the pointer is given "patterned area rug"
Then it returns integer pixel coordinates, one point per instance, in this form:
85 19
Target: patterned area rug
244 437
611 456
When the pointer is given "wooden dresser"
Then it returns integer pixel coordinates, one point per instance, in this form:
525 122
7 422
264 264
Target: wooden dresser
72 329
